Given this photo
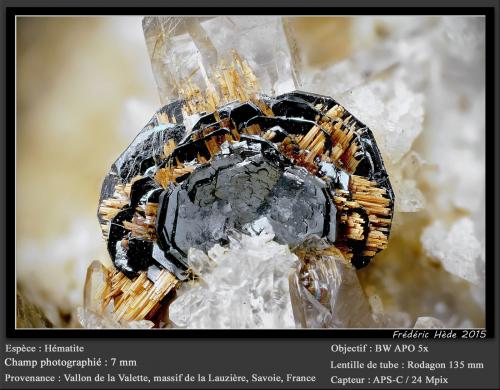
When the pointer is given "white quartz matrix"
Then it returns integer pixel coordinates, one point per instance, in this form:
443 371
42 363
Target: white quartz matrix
244 285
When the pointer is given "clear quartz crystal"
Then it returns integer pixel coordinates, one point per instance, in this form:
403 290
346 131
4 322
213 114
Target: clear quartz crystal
182 48
337 299
244 285
314 310
97 286
351 308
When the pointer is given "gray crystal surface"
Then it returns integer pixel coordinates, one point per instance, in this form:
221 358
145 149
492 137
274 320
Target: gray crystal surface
238 189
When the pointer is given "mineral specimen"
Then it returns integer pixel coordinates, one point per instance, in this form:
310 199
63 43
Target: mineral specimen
234 153
298 164
299 160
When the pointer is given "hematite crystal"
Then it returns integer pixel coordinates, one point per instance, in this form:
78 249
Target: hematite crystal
237 189
299 160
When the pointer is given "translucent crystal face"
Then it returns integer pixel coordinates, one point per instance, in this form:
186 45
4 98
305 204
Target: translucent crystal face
299 160
193 47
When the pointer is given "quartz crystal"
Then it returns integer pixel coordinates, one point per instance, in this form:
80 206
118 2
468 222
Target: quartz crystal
410 197
386 319
392 110
97 287
92 320
182 48
456 248
244 285
315 309
350 306
326 293
428 323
